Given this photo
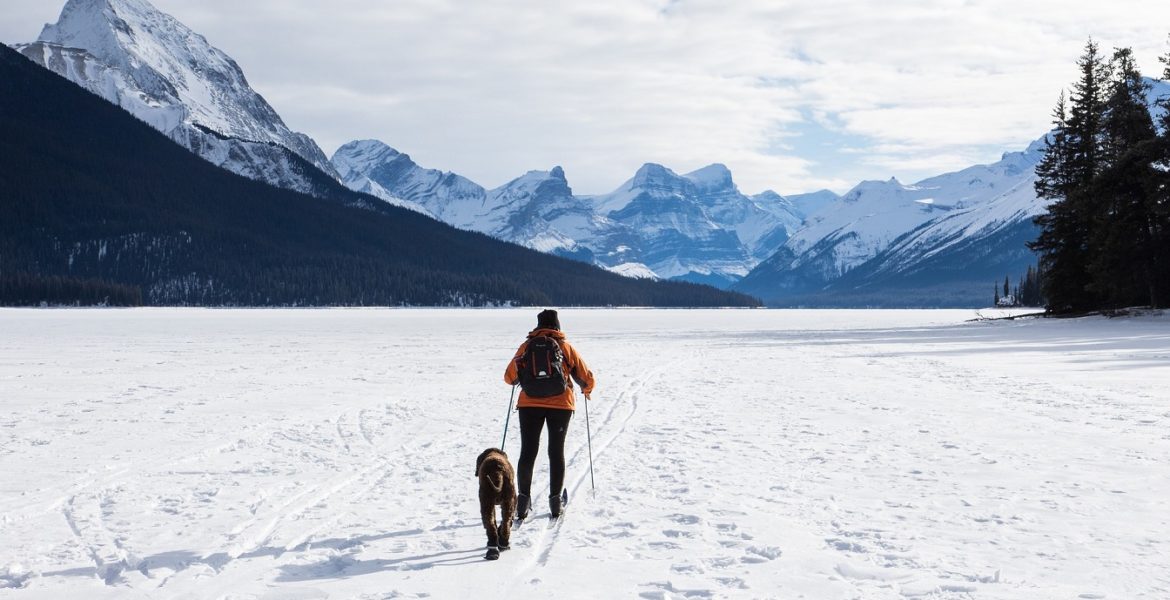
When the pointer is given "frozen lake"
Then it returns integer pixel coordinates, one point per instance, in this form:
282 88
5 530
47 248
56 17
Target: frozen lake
310 454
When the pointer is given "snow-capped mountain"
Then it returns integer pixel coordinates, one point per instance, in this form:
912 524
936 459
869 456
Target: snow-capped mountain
658 224
885 229
697 226
812 202
537 210
150 64
944 240
373 167
977 216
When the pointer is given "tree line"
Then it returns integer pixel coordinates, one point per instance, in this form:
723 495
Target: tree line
23 289
1029 290
1105 240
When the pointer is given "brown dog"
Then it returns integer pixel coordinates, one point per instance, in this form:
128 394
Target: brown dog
497 486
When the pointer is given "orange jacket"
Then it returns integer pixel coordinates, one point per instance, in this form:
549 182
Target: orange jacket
576 366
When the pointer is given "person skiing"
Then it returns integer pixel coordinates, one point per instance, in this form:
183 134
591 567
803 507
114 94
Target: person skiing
545 366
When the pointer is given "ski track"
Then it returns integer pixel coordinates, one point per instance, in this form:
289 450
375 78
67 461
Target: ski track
241 455
623 406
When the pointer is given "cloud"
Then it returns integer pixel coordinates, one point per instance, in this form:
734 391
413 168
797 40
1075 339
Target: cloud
792 96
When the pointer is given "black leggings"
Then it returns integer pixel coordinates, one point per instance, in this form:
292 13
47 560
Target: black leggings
532 420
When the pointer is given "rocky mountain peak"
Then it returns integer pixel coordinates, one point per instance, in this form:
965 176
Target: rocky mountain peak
657 178
362 156
713 178
148 62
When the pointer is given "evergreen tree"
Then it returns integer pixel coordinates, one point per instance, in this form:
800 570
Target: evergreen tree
1121 242
1159 202
1030 290
1072 161
1053 179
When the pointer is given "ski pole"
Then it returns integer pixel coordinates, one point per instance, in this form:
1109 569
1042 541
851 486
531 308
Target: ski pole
589 439
508 417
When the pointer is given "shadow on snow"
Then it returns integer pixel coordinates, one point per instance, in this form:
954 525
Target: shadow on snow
334 567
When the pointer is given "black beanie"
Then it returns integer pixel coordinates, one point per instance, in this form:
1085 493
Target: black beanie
547 319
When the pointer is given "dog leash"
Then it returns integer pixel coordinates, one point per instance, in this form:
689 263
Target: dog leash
509 417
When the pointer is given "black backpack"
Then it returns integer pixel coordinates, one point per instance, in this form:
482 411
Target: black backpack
541 368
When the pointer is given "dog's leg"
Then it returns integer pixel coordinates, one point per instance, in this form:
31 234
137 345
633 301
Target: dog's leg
487 511
509 513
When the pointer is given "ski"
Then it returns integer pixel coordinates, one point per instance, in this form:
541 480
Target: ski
516 523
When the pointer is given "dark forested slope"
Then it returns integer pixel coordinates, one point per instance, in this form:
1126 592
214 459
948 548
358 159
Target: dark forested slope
95 204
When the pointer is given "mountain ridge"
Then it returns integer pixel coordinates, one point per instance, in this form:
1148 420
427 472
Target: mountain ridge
695 226
698 225
88 193
884 235
171 77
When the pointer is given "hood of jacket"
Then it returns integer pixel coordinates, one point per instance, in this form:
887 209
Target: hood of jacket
552 333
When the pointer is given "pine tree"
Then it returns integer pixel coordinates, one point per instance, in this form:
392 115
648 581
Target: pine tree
1053 179
1029 294
1055 182
1071 162
1159 202
1121 242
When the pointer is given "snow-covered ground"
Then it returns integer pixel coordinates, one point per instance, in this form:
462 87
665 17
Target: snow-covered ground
306 454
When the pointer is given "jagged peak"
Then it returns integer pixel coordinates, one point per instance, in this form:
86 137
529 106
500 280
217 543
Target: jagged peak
77 7
102 4
534 187
711 171
175 71
652 169
769 196
715 177
1032 154
874 185
123 7
537 177
367 143
82 24
653 175
366 147
90 24
360 155
165 58
1039 146
879 183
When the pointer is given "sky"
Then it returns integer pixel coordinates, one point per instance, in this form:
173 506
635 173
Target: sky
793 96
